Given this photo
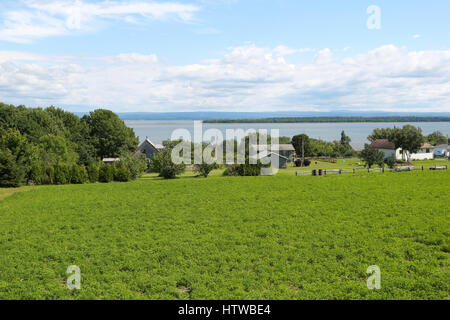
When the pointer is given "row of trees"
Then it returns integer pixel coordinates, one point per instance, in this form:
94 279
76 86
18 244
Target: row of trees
309 147
35 141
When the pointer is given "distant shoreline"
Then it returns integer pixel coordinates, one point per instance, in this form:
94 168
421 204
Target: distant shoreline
135 122
333 120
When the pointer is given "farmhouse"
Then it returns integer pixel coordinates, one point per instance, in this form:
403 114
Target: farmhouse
149 148
269 158
389 150
442 150
285 150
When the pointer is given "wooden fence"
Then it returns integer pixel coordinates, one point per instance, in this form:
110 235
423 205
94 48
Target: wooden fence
325 172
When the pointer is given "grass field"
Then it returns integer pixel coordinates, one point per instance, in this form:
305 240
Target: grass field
282 237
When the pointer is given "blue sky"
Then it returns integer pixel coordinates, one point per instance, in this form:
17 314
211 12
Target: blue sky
228 55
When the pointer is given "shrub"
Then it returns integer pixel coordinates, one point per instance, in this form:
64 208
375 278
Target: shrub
62 175
136 164
78 174
48 176
162 163
93 172
204 168
298 163
35 174
231 170
121 172
106 173
390 162
12 174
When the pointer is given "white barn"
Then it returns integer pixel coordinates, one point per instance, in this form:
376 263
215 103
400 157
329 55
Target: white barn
388 148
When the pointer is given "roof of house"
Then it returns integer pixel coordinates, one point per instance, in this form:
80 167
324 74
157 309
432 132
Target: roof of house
154 145
426 145
443 146
386 144
110 159
265 155
279 147
383 144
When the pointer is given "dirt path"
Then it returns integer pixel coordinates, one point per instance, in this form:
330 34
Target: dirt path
6 192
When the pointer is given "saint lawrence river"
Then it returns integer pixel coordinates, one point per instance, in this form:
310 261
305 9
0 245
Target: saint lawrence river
158 131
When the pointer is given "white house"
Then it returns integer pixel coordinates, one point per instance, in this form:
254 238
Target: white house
442 150
389 150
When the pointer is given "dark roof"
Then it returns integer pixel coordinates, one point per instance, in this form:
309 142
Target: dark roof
383 144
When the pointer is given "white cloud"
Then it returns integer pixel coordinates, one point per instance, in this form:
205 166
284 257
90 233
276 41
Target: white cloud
416 36
324 56
43 18
247 78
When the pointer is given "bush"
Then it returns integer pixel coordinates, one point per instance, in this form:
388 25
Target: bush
12 174
204 169
48 176
244 170
62 175
163 164
106 173
35 174
93 172
121 172
78 174
391 162
231 171
136 164
298 163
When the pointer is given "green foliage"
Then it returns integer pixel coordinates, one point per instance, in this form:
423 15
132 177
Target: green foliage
162 163
302 145
204 168
109 135
436 138
12 174
48 176
78 174
121 172
372 156
391 162
93 172
282 237
62 175
106 173
41 138
136 164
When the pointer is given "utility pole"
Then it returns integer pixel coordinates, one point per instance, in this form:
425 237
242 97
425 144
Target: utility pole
303 151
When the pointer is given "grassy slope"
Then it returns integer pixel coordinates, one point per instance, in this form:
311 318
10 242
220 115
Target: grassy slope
282 237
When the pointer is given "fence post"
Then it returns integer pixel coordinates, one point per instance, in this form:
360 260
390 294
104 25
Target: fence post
354 171
368 170
296 173
422 168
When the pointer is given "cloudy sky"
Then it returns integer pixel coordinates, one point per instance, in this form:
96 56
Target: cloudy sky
226 55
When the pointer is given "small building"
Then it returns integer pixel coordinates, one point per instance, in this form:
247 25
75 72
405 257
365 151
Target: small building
442 150
388 148
110 160
149 148
267 158
285 150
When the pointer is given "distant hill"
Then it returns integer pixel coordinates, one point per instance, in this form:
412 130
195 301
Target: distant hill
205 115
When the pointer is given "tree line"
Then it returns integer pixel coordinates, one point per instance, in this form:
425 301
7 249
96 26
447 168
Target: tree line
53 146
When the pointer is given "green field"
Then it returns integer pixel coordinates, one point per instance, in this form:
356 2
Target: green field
282 237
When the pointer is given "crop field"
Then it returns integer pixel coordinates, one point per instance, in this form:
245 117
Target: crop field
282 237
